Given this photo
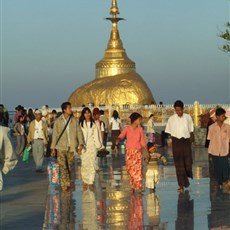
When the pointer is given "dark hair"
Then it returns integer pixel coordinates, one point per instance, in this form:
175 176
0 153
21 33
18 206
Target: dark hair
82 117
115 115
220 111
179 103
30 111
65 105
19 117
30 114
134 116
102 112
54 111
151 115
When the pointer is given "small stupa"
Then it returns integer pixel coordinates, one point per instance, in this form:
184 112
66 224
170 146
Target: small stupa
117 81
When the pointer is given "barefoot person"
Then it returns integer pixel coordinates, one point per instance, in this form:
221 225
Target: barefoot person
180 127
219 136
135 142
66 139
91 132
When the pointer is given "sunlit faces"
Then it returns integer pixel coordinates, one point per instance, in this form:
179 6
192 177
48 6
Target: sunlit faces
38 116
179 111
221 118
21 119
87 115
96 116
68 110
138 121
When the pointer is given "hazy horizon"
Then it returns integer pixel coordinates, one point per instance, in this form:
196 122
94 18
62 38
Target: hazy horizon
50 48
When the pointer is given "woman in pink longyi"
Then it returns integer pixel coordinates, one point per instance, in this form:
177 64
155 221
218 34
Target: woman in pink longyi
135 142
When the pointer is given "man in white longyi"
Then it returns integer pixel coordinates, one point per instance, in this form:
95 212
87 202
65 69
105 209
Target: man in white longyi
8 158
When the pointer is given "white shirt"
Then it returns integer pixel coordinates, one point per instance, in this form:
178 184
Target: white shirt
115 123
38 133
180 127
150 126
22 130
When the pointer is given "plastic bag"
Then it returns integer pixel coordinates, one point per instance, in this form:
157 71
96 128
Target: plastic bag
53 170
26 155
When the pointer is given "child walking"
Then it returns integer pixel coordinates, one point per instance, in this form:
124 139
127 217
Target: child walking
135 142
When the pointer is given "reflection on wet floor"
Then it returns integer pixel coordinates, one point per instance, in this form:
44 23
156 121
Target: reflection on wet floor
112 206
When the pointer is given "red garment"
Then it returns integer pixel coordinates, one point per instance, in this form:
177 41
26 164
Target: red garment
134 167
135 137
135 141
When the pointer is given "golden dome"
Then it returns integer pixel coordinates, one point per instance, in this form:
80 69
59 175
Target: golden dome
116 79
119 89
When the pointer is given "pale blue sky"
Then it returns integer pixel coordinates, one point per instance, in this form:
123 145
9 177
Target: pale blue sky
50 48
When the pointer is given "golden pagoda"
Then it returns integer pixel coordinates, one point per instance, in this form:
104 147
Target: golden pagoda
116 79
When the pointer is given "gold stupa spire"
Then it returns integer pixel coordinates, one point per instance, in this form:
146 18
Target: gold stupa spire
115 60
116 81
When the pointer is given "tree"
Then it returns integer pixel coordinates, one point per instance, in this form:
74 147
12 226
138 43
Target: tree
226 36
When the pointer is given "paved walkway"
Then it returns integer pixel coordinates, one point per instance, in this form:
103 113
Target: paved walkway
25 203
23 199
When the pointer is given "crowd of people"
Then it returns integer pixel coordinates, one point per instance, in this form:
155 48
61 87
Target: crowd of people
62 135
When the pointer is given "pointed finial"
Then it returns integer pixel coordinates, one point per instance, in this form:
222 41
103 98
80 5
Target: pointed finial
114 9
114 12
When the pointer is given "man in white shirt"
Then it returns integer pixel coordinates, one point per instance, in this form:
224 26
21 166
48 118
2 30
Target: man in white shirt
180 127
38 137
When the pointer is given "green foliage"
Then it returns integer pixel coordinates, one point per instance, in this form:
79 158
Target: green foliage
226 36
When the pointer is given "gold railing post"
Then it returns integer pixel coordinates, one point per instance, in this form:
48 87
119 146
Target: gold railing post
196 113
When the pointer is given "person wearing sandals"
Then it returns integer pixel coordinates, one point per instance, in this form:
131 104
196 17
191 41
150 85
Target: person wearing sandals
180 127
134 134
93 142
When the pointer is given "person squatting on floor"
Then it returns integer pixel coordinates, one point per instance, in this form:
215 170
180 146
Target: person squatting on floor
219 136
134 134
38 138
180 127
8 159
67 138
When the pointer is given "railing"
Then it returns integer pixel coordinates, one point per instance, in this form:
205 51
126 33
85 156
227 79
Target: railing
161 112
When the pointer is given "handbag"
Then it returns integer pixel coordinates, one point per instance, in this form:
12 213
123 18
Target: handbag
102 153
53 170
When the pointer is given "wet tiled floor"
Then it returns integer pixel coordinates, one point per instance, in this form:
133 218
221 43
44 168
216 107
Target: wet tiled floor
112 206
